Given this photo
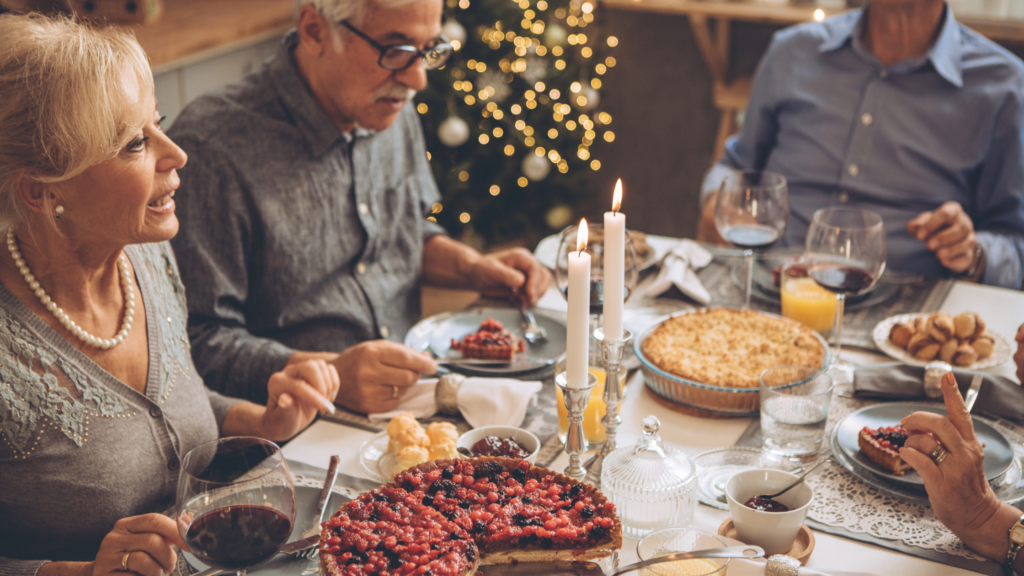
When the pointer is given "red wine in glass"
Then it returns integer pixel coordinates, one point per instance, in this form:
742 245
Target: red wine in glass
751 235
236 502
848 280
237 537
597 295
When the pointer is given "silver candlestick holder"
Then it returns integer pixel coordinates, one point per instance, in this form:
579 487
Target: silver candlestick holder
575 400
611 356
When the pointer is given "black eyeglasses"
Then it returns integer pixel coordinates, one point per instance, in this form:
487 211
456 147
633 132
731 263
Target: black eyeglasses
397 57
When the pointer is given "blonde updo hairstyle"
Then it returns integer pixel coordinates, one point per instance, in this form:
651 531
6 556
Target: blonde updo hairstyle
71 96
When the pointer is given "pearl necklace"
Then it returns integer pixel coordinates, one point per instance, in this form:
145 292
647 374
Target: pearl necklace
58 313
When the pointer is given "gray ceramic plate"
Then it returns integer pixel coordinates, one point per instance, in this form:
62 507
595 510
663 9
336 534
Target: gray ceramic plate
998 450
435 334
286 564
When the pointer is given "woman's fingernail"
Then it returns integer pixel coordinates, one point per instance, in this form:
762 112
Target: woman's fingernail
280 403
327 405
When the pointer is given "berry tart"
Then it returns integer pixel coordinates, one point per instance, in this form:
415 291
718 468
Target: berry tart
490 342
446 517
882 445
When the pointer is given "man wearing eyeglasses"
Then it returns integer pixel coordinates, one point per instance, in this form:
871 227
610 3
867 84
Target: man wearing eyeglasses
303 208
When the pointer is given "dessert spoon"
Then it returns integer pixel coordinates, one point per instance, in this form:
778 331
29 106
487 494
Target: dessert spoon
796 482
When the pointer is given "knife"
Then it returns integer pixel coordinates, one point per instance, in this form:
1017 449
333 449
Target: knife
972 392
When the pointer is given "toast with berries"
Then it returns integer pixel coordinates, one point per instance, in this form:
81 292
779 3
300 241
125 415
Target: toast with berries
881 446
446 517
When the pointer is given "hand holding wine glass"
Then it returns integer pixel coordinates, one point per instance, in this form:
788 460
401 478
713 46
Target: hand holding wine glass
845 254
752 211
236 502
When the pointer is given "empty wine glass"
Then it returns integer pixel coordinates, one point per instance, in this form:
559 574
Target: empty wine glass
236 502
845 254
752 211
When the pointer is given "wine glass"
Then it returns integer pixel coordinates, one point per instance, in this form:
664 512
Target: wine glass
236 502
752 211
595 247
845 254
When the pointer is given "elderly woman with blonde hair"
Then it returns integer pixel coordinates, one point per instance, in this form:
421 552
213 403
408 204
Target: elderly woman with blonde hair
99 400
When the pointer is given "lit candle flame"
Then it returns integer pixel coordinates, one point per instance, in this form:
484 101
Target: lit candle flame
581 236
617 197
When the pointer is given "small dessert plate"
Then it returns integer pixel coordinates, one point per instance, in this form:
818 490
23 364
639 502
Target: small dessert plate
802 547
375 459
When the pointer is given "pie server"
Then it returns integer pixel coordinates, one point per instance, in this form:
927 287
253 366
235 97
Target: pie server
592 569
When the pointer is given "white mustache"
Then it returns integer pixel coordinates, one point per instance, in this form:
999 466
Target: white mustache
396 91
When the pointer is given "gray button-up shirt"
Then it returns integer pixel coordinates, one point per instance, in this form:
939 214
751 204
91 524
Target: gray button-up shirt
294 235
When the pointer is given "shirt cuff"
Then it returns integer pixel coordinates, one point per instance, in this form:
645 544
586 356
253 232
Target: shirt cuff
11 567
221 405
431 229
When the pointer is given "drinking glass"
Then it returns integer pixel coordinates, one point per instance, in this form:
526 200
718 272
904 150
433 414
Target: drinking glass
236 502
794 409
680 539
593 414
804 301
752 211
845 254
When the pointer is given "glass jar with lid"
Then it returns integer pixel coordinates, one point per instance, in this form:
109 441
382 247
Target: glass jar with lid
651 485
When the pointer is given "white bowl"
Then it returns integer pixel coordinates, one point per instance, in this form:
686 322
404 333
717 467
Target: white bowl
773 531
525 438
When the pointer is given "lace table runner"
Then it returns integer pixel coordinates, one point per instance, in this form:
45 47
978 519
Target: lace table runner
845 506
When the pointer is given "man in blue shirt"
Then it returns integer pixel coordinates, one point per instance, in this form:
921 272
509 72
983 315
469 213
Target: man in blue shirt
899 109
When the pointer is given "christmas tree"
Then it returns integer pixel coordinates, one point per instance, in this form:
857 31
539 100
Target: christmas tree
512 121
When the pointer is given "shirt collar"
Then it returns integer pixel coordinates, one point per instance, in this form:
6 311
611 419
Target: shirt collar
945 54
316 127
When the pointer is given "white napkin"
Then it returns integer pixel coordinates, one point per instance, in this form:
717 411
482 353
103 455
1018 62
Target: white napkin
482 401
678 268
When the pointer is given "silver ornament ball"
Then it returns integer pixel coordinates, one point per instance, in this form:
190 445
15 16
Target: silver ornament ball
536 168
453 132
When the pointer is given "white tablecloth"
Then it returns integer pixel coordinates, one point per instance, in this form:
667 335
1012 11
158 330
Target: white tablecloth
1002 309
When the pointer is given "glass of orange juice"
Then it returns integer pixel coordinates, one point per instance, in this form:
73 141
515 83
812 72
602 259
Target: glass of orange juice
805 301
596 409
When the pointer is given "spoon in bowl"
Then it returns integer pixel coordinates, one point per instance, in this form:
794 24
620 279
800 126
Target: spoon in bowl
797 482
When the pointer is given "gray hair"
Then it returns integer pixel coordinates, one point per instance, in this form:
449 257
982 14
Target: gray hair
337 10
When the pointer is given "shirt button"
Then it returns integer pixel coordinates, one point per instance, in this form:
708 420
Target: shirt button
853 170
844 197
866 119
385 331
173 464
363 208
155 412
360 268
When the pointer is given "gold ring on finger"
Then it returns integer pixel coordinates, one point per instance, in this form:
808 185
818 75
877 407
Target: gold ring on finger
124 561
938 454
394 392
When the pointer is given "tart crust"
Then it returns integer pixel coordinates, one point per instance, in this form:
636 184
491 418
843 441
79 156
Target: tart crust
887 458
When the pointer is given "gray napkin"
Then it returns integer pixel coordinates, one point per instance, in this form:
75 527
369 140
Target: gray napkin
999 397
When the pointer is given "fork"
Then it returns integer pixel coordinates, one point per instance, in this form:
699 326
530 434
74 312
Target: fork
534 333
321 507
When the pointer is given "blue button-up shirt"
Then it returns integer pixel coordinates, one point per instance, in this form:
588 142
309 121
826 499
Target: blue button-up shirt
900 140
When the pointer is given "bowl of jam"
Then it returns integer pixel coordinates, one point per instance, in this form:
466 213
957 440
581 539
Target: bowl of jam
771 523
504 441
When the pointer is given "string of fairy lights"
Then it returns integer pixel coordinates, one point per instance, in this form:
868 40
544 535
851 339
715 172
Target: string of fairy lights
545 36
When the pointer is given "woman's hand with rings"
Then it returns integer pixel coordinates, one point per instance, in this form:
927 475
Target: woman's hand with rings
141 545
950 460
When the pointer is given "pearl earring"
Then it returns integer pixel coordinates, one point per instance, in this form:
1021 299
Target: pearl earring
59 210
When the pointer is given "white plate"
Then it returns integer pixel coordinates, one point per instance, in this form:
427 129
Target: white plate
376 460
1000 354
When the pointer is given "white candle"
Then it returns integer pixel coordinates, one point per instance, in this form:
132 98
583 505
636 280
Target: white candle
614 266
577 346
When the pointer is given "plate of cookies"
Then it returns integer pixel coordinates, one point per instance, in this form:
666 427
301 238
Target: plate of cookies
961 340
404 444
